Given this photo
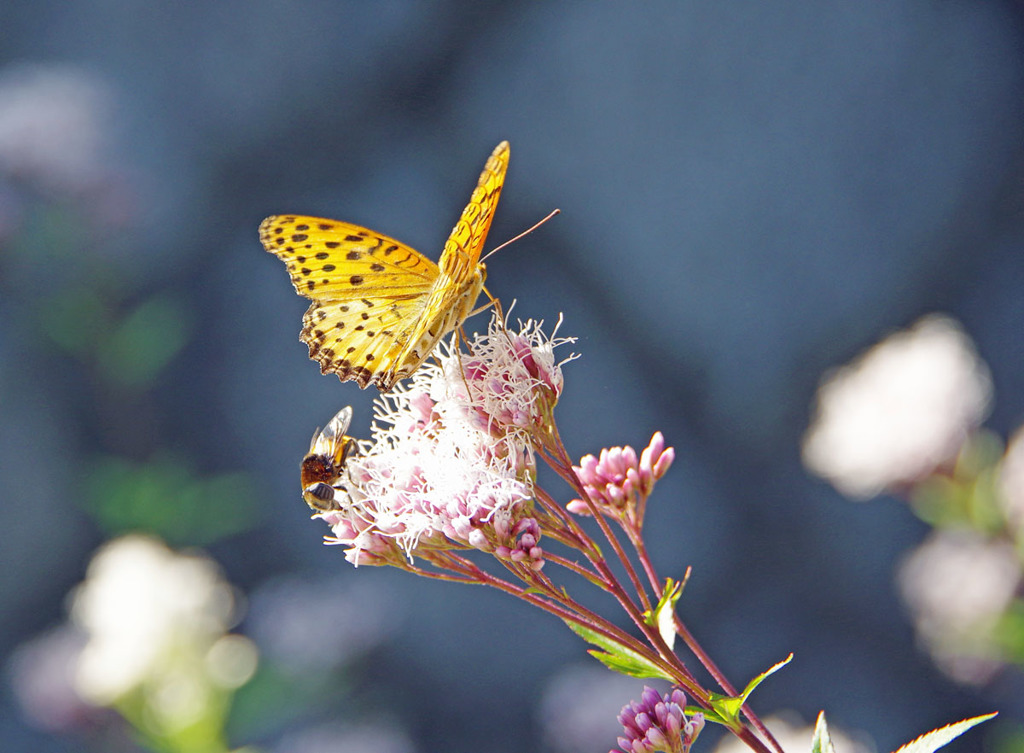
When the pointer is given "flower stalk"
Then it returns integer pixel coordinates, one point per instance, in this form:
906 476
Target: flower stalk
451 469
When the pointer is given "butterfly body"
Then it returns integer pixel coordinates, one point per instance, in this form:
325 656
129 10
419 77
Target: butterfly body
380 307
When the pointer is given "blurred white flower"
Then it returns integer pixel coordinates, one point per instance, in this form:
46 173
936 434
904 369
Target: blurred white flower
379 737
899 411
957 585
42 677
53 126
795 736
144 609
1011 484
231 661
578 709
308 627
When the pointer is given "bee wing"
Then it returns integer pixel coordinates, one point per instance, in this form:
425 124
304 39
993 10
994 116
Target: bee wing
326 442
338 425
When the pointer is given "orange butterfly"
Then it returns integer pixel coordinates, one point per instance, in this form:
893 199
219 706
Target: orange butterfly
379 307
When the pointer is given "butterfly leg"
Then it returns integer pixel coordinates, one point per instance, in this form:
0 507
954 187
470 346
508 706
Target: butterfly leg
491 301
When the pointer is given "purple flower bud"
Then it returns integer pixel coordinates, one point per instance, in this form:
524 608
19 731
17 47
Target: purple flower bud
658 724
650 697
618 482
477 539
664 462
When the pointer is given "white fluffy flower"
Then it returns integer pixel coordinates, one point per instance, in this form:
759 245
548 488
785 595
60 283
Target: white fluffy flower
451 464
795 735
899 411
957 586
52 126
140 603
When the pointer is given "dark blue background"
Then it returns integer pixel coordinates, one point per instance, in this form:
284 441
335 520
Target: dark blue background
750 194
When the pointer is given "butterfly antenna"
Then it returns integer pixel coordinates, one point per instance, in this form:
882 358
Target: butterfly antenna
521 235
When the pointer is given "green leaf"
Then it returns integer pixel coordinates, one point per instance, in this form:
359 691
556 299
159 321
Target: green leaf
617 657
165 497
932 741
725 709
145 342
821 743
76 319
663 614
1008 632
970 496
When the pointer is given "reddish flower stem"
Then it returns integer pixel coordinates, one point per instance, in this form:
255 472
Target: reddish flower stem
611 585
576 568
691 642
636 539
571 611
563 465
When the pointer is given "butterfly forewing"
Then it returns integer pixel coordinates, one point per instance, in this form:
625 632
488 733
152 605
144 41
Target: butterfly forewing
335 260
466 241
461 276
380 307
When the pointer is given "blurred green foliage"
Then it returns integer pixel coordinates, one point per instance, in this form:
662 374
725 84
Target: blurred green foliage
165 497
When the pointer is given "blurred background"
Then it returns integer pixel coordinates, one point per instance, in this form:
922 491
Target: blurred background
751 195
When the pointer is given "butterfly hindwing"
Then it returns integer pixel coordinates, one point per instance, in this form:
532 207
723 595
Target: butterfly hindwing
356 338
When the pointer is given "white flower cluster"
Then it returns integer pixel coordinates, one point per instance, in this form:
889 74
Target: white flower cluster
451 462
958 585
52 126
899 411
158 620
148 636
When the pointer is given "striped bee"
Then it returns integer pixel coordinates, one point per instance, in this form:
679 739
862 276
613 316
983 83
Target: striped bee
324 463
